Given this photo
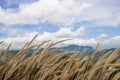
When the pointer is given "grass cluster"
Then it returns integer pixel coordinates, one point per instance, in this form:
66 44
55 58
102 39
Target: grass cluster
67 65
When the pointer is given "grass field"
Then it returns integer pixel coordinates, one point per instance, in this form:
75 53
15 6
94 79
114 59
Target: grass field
68 65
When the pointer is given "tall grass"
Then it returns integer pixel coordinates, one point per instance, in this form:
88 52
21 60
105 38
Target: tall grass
68 65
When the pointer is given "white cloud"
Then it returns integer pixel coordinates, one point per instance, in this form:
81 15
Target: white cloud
80 31
20 39
63 12
55 11
102 13
103 36
63 33
69 33
111 42
82 42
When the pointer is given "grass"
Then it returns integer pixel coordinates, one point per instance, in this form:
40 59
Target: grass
68 65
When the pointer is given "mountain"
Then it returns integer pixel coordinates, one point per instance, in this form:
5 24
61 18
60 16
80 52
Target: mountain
72 48
97 57
80 49
76 48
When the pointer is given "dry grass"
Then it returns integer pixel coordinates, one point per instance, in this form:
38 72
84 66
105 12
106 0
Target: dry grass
47 65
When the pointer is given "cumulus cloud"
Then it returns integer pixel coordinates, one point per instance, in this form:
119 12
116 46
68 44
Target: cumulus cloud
63 12
111 42
62 33
103 36
18 41
67 32
21 39
54 11
115 39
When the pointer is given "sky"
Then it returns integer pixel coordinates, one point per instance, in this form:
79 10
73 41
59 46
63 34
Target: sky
86 22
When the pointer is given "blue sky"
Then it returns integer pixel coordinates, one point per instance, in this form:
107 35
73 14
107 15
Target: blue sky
87 22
